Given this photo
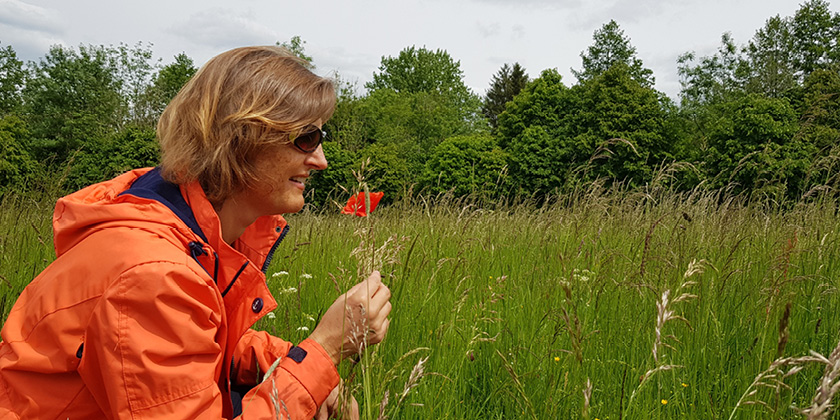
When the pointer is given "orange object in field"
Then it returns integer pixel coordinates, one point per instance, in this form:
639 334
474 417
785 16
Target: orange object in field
356 204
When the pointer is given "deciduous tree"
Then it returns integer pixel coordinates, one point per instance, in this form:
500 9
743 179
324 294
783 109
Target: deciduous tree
417 100
164 86
11 80
769 59
753 147
295 45
466 164
16 164
72 97
816 32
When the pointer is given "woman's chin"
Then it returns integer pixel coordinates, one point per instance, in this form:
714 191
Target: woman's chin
293 207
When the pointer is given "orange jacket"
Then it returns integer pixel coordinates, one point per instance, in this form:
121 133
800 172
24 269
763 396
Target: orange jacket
146 313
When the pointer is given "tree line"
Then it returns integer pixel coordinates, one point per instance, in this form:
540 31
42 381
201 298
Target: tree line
760 119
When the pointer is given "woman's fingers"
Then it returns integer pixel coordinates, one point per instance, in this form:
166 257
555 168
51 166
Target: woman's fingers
378 300
367 286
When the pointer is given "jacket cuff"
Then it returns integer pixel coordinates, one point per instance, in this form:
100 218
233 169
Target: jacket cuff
316 372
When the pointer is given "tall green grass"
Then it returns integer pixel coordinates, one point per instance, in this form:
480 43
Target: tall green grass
549 310
25 244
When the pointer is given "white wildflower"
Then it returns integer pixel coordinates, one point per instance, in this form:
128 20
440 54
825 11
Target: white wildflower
582 276
270 315
303 329
306 276
280 273
287 291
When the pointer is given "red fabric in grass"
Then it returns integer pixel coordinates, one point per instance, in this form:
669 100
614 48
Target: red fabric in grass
356 204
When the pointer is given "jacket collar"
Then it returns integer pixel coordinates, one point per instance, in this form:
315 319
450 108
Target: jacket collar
190 205
152 186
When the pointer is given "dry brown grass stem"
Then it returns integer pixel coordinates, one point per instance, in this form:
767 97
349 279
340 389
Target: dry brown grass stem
587 398
278 403
773 377
821 406
784 332
417 373
665 313
518 385
382 405
646 249
370 257
573 325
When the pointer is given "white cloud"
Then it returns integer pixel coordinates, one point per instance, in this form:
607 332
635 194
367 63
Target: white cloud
518 31
488 29
223 29
348 64
29 29
561 4
25 16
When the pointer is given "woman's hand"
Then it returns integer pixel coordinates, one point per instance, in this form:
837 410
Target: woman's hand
348 409
355 320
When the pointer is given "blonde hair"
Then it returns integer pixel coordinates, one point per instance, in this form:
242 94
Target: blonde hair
238 105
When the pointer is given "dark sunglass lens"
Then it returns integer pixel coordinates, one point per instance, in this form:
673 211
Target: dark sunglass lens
309 142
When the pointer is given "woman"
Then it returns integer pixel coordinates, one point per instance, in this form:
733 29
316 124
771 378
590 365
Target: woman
146 311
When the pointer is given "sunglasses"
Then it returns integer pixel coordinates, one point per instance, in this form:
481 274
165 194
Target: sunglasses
309 142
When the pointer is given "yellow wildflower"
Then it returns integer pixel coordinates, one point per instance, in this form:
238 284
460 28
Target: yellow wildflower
684 385
664 401
556 358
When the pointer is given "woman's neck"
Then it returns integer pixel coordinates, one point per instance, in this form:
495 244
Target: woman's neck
233 219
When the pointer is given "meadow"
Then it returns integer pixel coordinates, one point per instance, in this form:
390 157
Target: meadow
594 305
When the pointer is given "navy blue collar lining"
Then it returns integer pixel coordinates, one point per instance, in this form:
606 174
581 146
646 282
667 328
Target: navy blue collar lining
152 186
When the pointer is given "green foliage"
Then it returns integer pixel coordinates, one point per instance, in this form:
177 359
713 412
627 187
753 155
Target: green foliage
769 60
816 31
466 165
540 103
16 165
163 87
416 122
530 130
386 168
538 161
780 55
133 70
420 70
609 126
101 160
348 125
295 45
611 47
753 148
330 183
11 81
714 79
620 128
817 103
72 97
506 84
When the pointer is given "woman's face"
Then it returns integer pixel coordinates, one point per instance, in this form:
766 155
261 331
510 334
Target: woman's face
284 171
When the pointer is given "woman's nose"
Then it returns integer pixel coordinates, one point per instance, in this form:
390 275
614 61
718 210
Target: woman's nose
317 159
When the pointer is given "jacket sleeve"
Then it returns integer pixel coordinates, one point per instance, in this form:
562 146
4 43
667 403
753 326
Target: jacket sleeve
152 351
311 378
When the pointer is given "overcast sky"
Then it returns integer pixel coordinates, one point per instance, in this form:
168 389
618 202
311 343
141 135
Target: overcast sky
350 37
